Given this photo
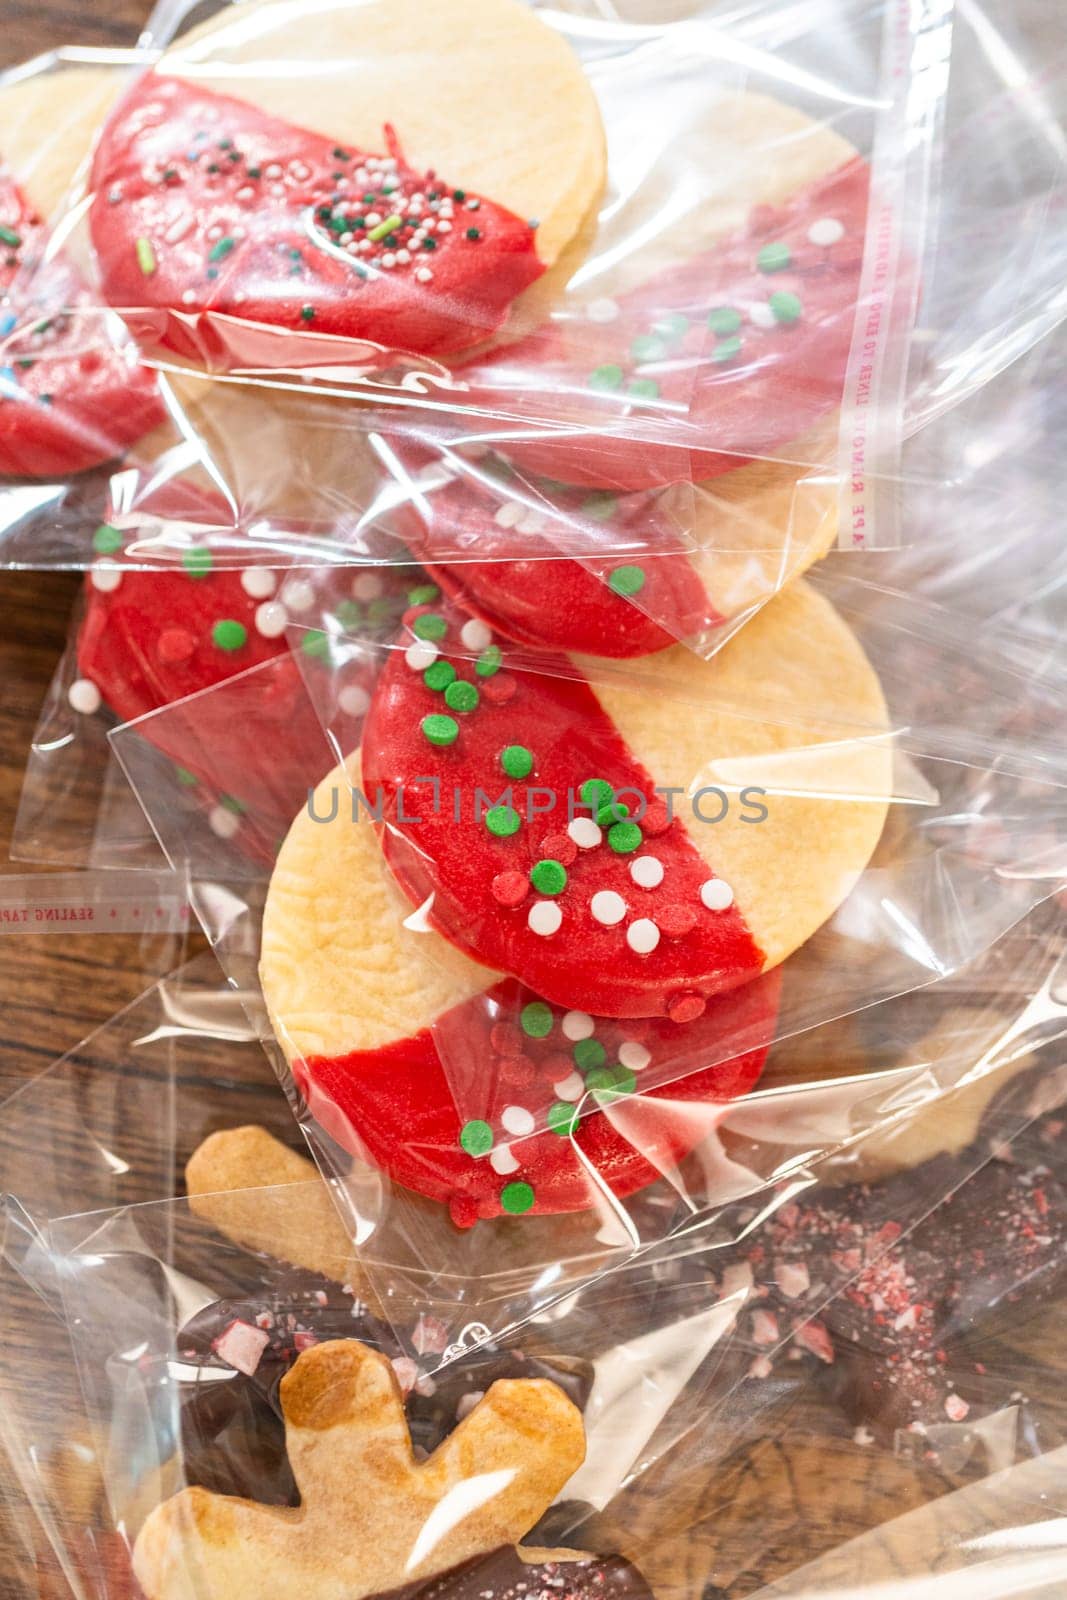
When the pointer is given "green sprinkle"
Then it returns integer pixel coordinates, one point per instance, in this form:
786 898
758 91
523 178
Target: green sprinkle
611 1083
229 635
461 696
476 1138
648 347
673 326
724 320
438 676
606 377
627 580
459 194
197 562
9 237
517 761
106 540
341 155
221 248
253 172
536 1019
488 663
786 306
146 256
774 258
562 1118
600 507
474 233
439 729
429 244
588 1054
624 838
643 388
614 811
517 1198
316 643
187 779
502 821
431 625
727 350
230 803
307 313
549 877
387 226
348 614
595 792
424 594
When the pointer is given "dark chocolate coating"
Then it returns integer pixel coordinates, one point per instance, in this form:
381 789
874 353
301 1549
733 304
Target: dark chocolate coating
503 1575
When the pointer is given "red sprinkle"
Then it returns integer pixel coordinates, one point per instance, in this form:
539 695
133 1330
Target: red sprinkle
558 847
499 688
655 819
174 645
675 921
686 1007
507 1039
510 888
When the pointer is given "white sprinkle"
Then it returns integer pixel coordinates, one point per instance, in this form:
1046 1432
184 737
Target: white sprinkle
272 619
608 907
532 521
647 871
475 635
354 700
632 1054
367 586
584 832
403 257
517 1120
373 218
106 579
826 230
346 239
259 582
501 1160
545 918
510 513
277 190
389 260
468 1402
602 310
761 316
179 228
570 1088
642 936
424 275
274 170
84 697
299 596
956 1408
215 231
444 226
224 823
716 895
421 654
188 297
578 1025
245 194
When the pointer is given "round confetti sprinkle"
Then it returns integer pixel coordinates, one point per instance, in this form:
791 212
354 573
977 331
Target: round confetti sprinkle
421 654
656 819
316 644
627 580
716 895
589 1053
785 306
461 696
499 690
724 320
517 1198
584 833
271 619
105 579
476 1137
572 1087
229 635
578 1025
367 586
634 1055
197 563
517 761
826 231
648 347
535 1019
545 918
259 582
517 1121
600 506
354 700
596 792
175 645
611 1083
625 837
187 779
299 595
647 872
440 730
774 258
562 1118
642 936
557 847
684 1008
675 920
510 889
614 812
604 310
424 595
106 540
761 315
549 877
643 389
438 675
503 1161
489 661
673 326
84 697
502 821
224 822
727 350
430 625
608 907
606 378
475 635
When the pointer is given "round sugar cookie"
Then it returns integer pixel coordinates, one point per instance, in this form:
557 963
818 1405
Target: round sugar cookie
72 394
382 1024
396 171
726 338
676 563
631 844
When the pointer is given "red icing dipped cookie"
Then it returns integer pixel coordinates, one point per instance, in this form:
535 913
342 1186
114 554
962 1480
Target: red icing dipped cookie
386 1028
727 355
347 197
530 813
